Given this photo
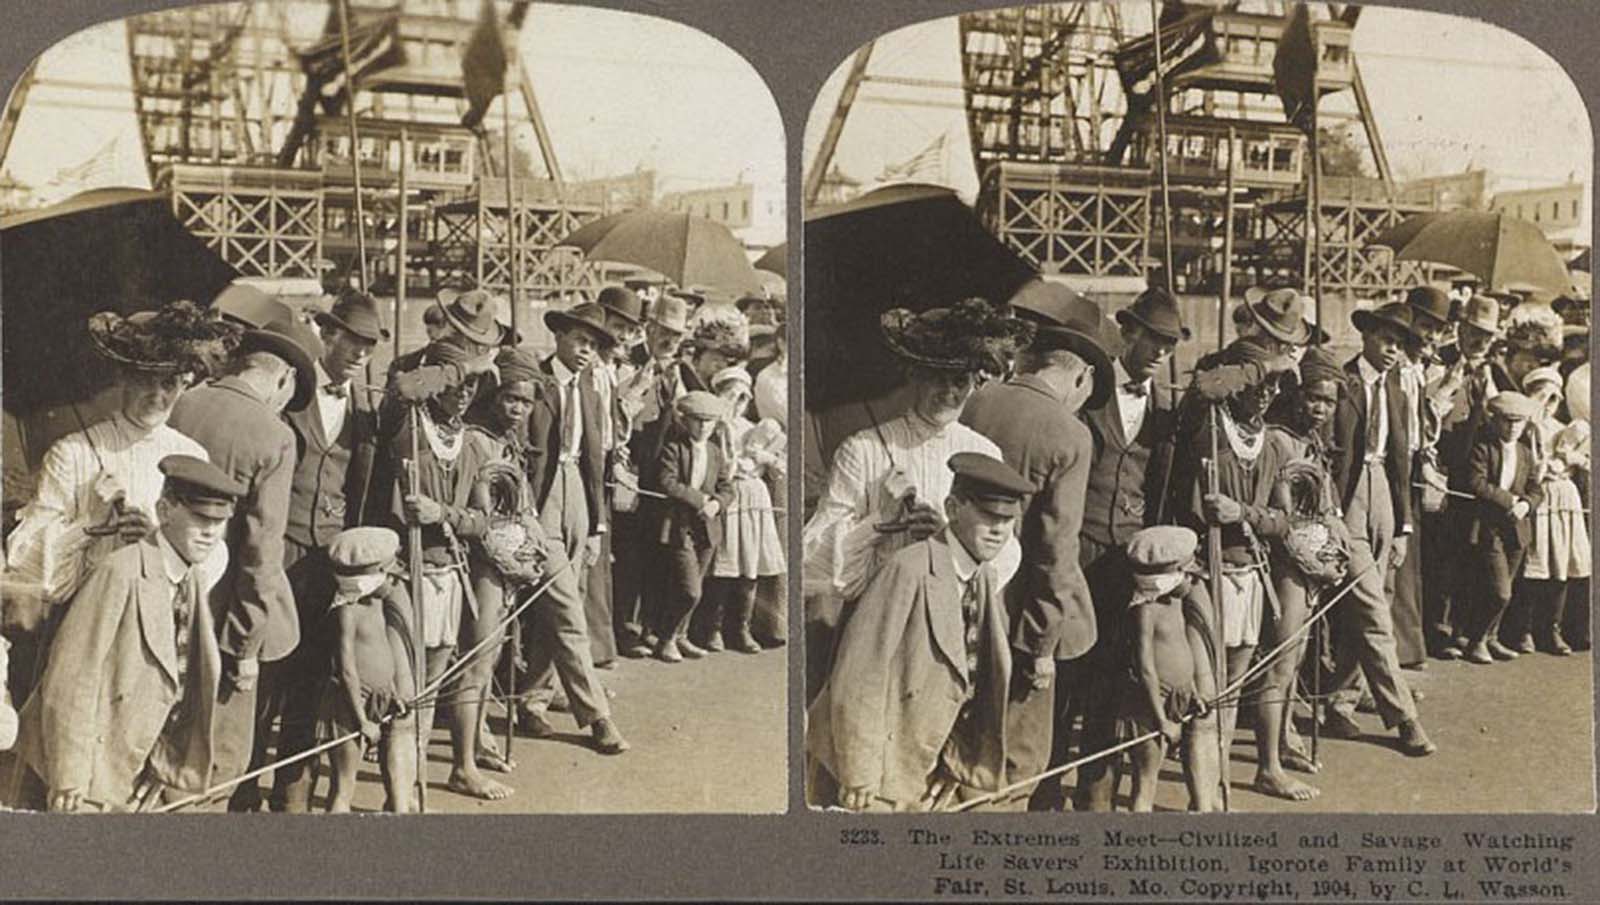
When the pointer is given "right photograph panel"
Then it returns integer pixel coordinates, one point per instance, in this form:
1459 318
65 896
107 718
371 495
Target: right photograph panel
1197 415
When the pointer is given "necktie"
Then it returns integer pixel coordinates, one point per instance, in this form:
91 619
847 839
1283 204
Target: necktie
338 390
1375 412
1136 388
572 417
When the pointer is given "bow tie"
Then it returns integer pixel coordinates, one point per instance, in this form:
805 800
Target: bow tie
337 390
1136 388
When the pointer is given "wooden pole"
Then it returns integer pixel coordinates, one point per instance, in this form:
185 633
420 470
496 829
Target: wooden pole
414 561
355 144
513 244
1166 232
1314 221
405 228
1219 650
1227 247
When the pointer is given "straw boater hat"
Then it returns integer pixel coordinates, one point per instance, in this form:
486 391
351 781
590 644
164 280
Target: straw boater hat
970 336
1156 311
1283 314
175 339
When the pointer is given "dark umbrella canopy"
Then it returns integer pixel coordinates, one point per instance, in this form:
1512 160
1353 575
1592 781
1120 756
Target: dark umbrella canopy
106 250
903 246
1502 251
776 260
688 250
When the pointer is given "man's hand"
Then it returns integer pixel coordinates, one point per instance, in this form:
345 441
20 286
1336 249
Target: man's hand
856 798
132 525
1221 509
242 677
1520 509
422 510
711 509
1397 552
591 549
923 521
1041 671
66 801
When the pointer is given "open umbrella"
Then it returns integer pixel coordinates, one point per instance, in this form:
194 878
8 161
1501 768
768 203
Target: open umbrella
902 246
103 250
687 250
1502 251
776 260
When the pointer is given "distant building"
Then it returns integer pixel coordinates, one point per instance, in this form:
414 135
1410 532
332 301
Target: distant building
1558 210
754 213
1468 190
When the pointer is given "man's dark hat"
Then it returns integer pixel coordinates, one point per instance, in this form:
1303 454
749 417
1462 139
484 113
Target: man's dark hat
1080 328
1156 311
587 315
992 484
177 338
970 336
1395 314
1282 315
367 549
201 486
358 313
624 303
1433 303
296 343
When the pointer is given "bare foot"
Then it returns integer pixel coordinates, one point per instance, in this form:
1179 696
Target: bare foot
495 762
1299 761
1283 786
475 785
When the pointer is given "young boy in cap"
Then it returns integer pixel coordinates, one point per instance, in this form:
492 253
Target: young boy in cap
126 708
368 619
690 472
1500 474
1171 674
913 715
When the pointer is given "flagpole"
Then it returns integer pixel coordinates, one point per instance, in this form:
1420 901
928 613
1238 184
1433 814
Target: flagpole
355 144
405 227
1227 246
512 243
1161 162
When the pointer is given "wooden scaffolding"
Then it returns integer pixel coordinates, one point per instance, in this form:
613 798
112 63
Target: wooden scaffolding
264 221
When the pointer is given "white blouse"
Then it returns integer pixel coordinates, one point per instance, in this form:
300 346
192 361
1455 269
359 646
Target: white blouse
842 547
51 547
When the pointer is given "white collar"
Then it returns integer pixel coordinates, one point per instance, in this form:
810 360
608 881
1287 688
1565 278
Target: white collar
323 380
1369 374
564 375
966 565
175 565
1122 377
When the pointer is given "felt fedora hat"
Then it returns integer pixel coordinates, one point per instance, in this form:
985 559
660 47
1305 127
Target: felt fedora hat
358 313
472 314
1283 314
622 302
1483 313
1157 311
670 312
587 315
1432 303
296 343
1081 328
1395 314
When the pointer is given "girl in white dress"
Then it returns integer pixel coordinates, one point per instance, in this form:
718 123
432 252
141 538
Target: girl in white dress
1560 551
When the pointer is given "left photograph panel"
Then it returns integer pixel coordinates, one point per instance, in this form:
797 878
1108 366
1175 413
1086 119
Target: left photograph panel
394 415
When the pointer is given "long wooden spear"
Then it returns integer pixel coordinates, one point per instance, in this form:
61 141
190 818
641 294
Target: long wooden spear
355 145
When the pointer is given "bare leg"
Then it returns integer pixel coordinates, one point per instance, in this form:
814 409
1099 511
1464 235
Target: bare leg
346 760
1147 760
438 659
1238 660
1275 695
1201 767
469 691
397 747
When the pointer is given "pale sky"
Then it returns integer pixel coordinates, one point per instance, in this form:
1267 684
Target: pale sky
618 91
1447 92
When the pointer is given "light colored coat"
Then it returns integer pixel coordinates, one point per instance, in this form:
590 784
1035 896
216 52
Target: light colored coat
112 681
900 677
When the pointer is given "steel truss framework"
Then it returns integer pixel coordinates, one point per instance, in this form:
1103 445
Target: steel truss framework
1069 226
1350 263
471 246
265 222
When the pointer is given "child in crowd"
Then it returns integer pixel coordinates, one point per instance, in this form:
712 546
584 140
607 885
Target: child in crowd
1171 673
1502 476
750 547
372 674
690 473
1560 550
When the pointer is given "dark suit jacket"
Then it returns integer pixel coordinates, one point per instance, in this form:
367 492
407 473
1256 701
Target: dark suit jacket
256 615
900 677
332 479
544 432
101 711
677 519
1049 604
1490 517
1350 443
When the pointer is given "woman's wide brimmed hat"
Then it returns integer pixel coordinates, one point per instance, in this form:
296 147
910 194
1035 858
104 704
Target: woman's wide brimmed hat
972 335
175 339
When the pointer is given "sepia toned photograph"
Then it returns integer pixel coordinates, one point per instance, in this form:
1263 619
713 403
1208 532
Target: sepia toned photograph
394 415
1196 404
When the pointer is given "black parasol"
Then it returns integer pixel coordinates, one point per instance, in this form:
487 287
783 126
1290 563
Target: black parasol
902 246
104 250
